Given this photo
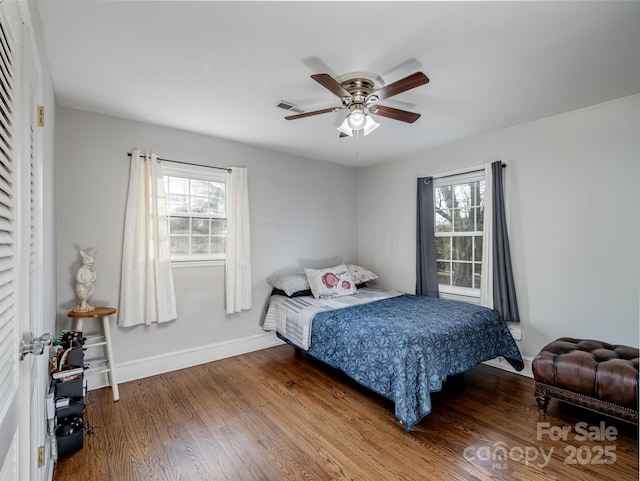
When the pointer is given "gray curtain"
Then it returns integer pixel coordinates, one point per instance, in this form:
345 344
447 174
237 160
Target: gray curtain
504 290
426 266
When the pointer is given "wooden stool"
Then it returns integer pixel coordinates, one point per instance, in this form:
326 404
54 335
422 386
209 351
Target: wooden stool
104 340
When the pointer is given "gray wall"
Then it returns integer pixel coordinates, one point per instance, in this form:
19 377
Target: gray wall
303 213
572 194
571 186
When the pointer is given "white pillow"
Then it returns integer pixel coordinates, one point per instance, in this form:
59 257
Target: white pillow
289 283
360 274
331 282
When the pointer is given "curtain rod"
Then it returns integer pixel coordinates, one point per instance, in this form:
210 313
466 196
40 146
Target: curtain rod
228 169
504 166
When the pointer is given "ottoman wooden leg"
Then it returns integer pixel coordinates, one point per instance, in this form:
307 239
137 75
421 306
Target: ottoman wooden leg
542 396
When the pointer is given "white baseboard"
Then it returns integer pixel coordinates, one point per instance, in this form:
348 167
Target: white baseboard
172 361
502 363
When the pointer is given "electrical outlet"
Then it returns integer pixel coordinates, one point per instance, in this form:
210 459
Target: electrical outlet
40 456
516 333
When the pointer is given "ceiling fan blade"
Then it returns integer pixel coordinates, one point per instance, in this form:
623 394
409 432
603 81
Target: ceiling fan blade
315 112
411 81
331 84
342 135
395 114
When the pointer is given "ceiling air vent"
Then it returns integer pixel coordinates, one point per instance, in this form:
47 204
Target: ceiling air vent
289 106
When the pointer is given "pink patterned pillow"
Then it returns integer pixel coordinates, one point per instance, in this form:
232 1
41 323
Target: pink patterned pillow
360 274
332 282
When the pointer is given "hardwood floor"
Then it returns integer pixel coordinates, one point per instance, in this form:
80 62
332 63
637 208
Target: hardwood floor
280 415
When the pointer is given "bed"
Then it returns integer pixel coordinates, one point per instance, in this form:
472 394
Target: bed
401 346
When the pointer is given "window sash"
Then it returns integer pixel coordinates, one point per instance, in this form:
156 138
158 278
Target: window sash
194 174
468 266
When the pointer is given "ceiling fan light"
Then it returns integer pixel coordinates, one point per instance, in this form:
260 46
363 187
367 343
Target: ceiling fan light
345 129
370 125
356 119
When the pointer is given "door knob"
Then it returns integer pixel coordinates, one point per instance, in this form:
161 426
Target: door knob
36 347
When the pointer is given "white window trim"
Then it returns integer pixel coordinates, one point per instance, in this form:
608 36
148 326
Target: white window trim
465 297
194 172
460 176
179 263
200 173
474 170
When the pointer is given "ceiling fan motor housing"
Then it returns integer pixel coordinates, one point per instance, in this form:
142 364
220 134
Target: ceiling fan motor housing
360 85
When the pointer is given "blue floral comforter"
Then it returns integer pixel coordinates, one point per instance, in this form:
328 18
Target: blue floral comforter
405 347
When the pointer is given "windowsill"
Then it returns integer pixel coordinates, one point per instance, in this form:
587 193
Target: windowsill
201 263
460 297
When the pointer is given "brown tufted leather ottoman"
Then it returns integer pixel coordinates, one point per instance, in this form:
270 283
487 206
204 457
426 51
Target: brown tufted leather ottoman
592 374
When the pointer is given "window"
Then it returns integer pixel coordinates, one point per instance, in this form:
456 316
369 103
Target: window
459 214
197 210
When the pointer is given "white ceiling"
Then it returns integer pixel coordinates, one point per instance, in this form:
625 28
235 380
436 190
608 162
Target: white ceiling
220 68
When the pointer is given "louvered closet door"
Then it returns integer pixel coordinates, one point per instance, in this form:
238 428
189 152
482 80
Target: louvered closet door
22 384
9 412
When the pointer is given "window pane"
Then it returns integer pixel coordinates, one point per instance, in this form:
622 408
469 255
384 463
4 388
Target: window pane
480 193
462 248
444 273
218 227
178 185
179 244
478 248
178 203
462 220
472 220
199 244
179 225
217 190
200 225
199 187
462 195
218 245
443 220
217 206
462 274
443 248
444 197
200 205
478 274
479 218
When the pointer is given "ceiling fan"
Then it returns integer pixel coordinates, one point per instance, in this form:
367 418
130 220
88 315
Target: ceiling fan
359 93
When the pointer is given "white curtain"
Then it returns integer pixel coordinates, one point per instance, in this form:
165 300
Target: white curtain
238 261
147 293
486 276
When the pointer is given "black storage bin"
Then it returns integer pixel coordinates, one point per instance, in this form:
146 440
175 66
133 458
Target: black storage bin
69 444
69 388
75 408
68 429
